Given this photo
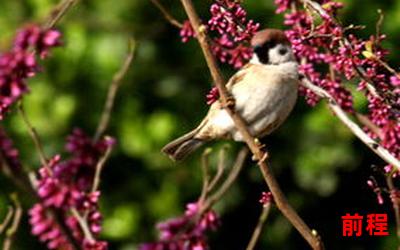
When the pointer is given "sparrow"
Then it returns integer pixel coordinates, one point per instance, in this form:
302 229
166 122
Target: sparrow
264 90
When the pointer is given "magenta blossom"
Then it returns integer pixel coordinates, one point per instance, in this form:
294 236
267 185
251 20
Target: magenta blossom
186 232
230 31
19 64
67 185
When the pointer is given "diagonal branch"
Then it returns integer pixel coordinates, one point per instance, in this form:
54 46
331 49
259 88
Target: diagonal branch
10 233
35 137
241 126
166 14
257 231
341 114
112 91
6 220
58 13
232 176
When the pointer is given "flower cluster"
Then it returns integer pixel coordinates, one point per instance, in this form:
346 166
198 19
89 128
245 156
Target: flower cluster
330 53
186 232
320 46
212 96
231 32
187 31
67 185
373 185
20 62
9 153
266 198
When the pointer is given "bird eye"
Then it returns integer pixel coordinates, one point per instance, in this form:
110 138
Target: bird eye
282 51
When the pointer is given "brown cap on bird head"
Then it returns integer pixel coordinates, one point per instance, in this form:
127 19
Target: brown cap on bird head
267 35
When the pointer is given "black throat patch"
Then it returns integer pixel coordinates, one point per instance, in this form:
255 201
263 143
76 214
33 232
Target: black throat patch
262 51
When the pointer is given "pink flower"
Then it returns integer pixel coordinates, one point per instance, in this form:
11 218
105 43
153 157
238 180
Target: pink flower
186 232
266 198
66 185
10 153
187 31
395 81
230 30
212 96
19 64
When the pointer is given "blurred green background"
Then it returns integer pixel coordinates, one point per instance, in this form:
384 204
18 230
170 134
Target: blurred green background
320 165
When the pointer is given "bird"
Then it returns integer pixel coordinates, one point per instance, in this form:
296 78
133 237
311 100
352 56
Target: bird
264 93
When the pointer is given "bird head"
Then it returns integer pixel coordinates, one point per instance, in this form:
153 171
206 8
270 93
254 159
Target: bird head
271 46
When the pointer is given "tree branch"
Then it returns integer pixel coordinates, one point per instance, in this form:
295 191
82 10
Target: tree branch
112 91
7 219
233 174
58 13
83 224
35 137
99 168
167 15
22 181
395 201
220 169
241 126
205 167
10 233
359 132
257 231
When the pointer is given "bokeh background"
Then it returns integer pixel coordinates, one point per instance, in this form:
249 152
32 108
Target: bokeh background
321 167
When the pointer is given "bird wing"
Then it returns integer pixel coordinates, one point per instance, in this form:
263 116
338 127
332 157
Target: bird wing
238 76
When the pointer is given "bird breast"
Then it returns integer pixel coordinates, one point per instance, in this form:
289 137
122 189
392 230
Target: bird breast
265 95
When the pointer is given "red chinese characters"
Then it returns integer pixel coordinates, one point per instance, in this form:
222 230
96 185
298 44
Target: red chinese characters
377 224
352 225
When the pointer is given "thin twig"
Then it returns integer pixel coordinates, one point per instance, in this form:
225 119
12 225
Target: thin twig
241 126
15 223
379 93
167 15
205 167
7 219
22 181
35 137
387 67
396 207
206 203
83 224
379 23
58 13
55 215
113 89
257 231
234 173
220 169
99 168
363 119
359 132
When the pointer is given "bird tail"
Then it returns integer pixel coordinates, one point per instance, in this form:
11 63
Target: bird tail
183 146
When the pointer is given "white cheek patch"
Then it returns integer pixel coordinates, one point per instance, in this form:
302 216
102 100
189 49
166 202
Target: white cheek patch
255 60
276 58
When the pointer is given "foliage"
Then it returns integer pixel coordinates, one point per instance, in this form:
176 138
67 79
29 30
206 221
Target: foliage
321 166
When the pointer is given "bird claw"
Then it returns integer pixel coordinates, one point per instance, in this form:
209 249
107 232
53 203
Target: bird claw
259 144
262 147
264 157
230 102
